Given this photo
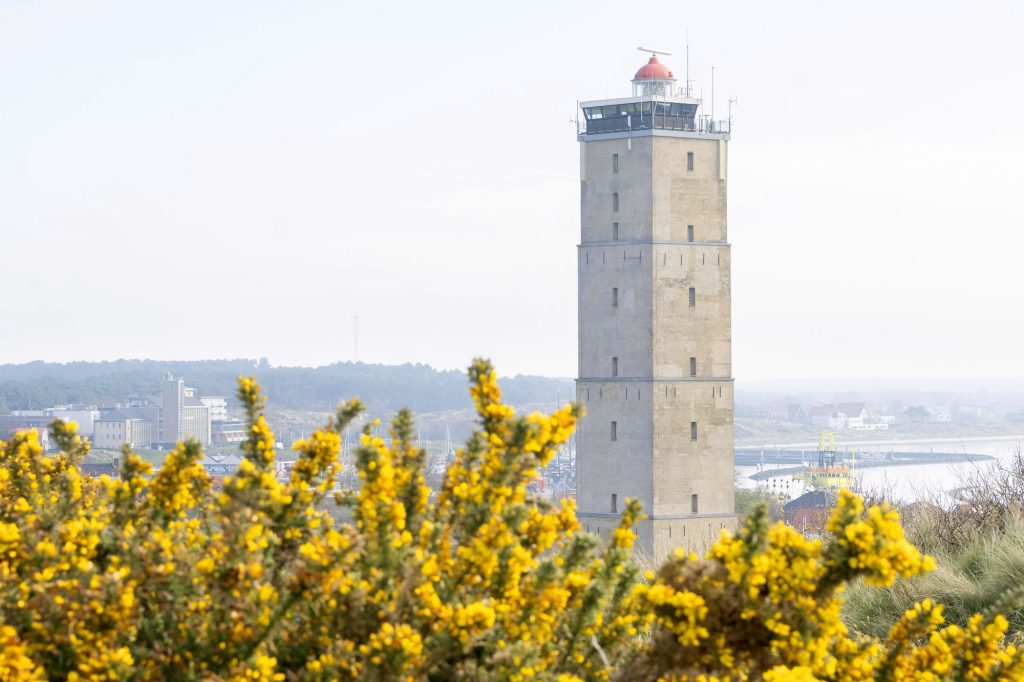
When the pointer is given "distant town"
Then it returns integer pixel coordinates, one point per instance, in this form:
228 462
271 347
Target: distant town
887 415
172 410
859 416
172 413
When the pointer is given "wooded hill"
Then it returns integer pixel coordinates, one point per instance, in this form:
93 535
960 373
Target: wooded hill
36 385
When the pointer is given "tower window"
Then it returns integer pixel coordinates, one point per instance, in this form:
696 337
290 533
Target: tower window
615 430
693 430
615 163
615 232
693 367
615 201
615 367
693 503
693 297
689 233
615 503
615 297
689 161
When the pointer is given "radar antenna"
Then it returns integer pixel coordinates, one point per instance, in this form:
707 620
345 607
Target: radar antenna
654 52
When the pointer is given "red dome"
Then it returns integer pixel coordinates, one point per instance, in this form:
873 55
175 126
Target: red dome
653 69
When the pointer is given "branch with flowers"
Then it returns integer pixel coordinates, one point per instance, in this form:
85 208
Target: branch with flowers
161 577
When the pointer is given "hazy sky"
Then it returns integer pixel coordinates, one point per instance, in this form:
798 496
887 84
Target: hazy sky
220 179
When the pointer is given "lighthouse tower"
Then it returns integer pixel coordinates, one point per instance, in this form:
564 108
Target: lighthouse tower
655 329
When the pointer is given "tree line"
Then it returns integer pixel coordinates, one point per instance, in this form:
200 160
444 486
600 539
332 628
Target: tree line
36 385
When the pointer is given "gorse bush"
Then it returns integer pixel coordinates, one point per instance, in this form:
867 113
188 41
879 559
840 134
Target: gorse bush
978 545
163 578
984 573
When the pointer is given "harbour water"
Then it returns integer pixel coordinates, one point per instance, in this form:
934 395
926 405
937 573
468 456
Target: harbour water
908 482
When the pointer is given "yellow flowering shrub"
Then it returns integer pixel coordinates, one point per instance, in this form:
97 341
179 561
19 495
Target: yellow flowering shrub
162 577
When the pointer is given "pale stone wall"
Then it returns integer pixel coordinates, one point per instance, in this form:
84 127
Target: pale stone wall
703 330
686 467
632 183
622 331
140 433
683 197
622 467
113 433
654 331
108 434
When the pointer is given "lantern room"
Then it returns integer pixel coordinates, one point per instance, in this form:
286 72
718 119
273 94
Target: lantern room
654 79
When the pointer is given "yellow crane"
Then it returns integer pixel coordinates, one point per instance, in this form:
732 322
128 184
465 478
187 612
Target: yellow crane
829 475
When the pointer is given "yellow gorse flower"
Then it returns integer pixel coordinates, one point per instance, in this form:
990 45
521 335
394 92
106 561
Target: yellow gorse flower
162 577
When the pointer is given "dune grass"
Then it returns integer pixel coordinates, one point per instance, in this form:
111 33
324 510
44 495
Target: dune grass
979 574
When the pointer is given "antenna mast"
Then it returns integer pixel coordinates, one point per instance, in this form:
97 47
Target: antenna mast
712 94
687 62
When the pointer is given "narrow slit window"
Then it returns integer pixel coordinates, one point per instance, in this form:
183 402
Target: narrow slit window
615 503
615 232
615 163
615 430
689 233
615 201
693 503
693 297
615 367
693 367
693 430
689 161
615 297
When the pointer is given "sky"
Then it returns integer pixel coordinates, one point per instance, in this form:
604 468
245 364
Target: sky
186 180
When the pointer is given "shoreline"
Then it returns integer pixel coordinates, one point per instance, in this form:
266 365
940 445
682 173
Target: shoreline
892 442
912 458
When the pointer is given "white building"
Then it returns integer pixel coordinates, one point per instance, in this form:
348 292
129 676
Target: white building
82 415
218 407
196 422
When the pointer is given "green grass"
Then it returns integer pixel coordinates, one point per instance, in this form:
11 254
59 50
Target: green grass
105 455
973 578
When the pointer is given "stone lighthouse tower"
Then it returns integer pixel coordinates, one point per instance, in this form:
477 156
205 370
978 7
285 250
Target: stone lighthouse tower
655 329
